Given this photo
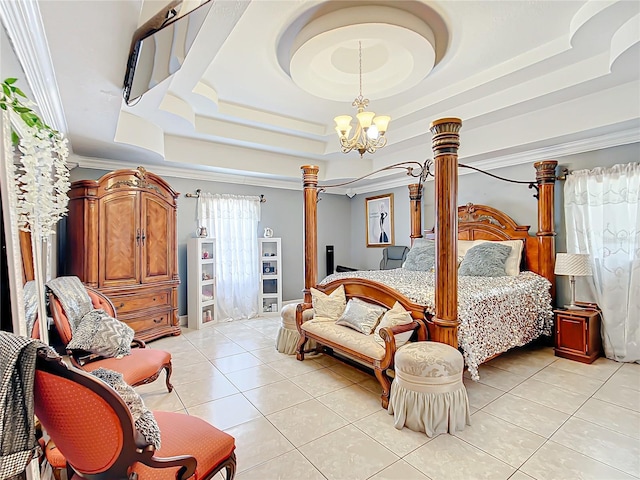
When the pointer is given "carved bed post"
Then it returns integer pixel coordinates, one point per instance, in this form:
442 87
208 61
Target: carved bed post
546 179
310 183
415 195
445 143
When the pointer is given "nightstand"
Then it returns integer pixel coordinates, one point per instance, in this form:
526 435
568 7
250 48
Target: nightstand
578 333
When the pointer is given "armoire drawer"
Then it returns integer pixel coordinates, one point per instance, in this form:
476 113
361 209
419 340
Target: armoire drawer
132 303
149 321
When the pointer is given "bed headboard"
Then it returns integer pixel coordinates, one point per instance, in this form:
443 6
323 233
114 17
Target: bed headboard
481 222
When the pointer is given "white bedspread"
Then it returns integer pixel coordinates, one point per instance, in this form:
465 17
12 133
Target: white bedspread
495 313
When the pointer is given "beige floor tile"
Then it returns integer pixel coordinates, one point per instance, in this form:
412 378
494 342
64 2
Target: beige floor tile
254 377
347 453
306 421
604 445
520 364
480 394
170 344
326 360
622 396
231 327
628 376
196 393
233 363
269 354
549 395
531 416
448 458
568 381
498 378
352 402
556 462
291 465
505 441
320 382
290 367
187 357
220 350
191 373
379 426
162 400
613 417
255 343
258 441
601 369
400 470
373 385
226 412
520 476
352 373
276 396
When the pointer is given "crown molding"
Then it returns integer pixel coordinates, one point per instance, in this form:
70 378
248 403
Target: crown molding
23 23
614 139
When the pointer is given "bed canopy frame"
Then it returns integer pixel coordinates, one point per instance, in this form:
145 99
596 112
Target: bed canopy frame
469 222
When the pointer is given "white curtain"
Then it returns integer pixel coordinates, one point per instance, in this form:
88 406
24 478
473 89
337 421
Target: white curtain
233 221
602 213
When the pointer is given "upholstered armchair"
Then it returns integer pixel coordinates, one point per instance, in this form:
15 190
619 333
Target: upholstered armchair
143 365
393 257
94 429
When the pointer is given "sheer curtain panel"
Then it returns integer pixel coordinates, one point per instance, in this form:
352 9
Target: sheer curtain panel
233 221
602 213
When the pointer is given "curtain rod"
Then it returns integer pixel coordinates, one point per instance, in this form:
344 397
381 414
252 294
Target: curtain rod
197 195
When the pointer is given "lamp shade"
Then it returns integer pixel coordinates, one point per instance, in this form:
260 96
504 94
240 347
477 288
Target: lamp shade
576 264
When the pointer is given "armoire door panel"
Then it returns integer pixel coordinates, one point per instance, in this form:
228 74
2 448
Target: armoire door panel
119 240
158 233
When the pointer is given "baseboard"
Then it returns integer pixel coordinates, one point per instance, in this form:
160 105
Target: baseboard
182 320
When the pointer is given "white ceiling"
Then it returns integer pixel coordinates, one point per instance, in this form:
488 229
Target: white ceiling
529 79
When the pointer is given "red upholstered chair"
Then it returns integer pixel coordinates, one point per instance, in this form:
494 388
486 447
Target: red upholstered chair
144 365
93 428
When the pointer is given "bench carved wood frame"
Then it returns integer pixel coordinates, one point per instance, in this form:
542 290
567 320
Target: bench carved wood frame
379 294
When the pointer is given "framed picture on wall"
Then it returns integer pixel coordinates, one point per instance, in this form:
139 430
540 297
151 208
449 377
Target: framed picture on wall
379 215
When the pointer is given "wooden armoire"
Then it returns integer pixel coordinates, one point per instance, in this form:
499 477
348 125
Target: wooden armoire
122 240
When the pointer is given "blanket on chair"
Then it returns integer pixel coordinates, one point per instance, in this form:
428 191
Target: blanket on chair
18 444
73 296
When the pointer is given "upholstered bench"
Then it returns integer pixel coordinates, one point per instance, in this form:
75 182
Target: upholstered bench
427 394
288 335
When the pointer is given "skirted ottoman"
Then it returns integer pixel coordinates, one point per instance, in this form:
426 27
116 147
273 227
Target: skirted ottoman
427 394
288 335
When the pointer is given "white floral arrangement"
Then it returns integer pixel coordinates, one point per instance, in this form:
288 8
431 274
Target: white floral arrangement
42 176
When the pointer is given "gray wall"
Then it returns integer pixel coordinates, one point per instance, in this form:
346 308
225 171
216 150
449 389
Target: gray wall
283 212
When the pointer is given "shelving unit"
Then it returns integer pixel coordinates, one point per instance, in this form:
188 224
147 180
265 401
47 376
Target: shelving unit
201 271
271 275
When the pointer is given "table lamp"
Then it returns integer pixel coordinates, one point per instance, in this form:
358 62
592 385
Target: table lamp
574 265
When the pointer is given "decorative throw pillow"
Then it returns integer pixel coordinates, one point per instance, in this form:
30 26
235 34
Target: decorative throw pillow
328 307
361 316
103 335
485 260
396 316
422 255
512 265
144 421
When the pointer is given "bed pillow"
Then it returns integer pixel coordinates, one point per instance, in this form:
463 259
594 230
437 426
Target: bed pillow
512 265
396 316
328 307
485 260
422 256
145 423
361 316
102 335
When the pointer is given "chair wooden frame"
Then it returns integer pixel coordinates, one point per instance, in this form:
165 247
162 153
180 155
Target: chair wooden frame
79 360
49 363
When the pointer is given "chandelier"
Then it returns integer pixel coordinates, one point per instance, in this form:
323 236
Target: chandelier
370 130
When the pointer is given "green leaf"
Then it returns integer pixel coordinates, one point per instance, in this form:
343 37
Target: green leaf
15 139
27 118
21 109
9 81
19 92
3 106
7 92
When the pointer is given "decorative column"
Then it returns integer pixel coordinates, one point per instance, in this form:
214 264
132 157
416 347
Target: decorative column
415 197
546 179
310 192
445 143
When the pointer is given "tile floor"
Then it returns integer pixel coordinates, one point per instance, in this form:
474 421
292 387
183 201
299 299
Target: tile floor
533 415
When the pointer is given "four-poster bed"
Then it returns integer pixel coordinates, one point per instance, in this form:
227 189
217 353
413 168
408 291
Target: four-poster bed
452 223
